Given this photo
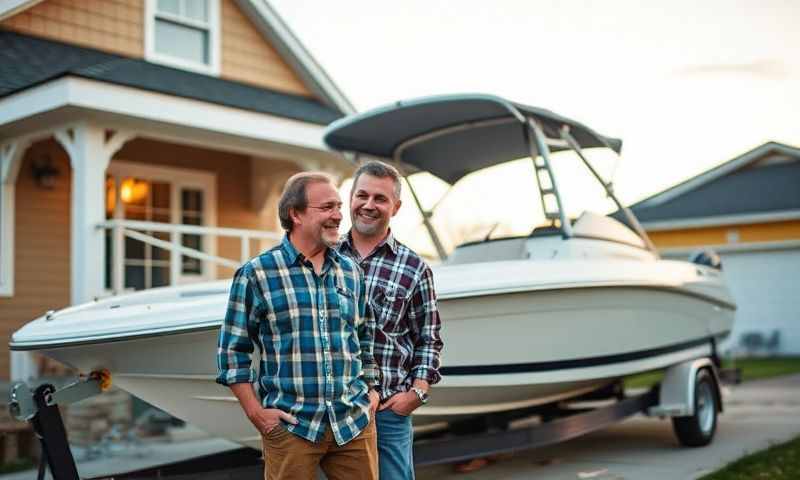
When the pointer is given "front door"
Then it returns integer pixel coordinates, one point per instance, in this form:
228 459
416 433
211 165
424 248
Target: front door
161 195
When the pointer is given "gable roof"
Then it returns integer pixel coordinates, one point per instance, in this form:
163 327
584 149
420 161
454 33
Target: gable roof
747 185
27 61
276 31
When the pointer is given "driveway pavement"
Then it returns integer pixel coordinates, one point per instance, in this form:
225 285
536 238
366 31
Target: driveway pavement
757 415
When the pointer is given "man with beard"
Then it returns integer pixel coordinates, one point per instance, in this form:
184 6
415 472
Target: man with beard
400 291
304 306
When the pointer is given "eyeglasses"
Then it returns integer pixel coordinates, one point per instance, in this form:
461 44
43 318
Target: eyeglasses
327 207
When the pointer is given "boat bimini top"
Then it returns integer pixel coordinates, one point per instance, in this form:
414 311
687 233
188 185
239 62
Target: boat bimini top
451 136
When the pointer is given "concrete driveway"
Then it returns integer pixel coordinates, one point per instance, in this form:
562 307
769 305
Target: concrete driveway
757 415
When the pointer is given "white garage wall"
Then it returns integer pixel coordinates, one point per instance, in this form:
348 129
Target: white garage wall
766 286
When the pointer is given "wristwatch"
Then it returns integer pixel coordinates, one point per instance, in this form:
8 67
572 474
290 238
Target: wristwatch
421 394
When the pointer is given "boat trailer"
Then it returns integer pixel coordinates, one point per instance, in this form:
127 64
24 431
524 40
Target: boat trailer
567 424
40 407
689 393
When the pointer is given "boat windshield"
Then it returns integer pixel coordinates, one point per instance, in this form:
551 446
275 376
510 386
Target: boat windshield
503 201
456 137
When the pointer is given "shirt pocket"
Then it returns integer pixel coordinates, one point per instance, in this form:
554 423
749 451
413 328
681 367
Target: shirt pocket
347 304
390 305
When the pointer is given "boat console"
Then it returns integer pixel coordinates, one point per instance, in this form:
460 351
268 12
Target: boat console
592 234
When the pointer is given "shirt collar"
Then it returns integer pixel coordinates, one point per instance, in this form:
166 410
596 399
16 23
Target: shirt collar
292 254
389 241
289 250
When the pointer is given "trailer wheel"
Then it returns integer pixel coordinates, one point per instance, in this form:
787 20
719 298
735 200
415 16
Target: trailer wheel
698 430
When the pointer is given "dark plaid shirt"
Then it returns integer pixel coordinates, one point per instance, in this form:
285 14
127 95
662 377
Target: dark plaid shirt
400 290
314 334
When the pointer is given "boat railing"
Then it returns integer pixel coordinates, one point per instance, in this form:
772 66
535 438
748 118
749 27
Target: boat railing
143 231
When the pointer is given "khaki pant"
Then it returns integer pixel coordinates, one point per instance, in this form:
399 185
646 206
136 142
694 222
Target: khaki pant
288 456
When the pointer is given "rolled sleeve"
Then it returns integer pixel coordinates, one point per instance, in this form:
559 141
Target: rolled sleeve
426 326
235 344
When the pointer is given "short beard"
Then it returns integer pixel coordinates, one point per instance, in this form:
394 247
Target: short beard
330 243
367 230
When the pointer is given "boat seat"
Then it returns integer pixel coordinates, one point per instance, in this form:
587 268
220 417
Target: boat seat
490 251
546 230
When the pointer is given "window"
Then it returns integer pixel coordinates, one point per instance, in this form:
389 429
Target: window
163 195
192 214
183 33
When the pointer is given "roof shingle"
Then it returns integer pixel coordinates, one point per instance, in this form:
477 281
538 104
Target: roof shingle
27 61
764 189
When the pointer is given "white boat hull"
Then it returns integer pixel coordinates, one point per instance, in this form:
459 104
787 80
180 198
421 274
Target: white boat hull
503 352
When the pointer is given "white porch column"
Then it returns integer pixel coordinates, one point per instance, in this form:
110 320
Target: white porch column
90 150
10 160
11 153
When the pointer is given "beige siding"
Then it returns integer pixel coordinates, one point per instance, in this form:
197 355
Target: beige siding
753 233
118 26
112 25
41 246
248 57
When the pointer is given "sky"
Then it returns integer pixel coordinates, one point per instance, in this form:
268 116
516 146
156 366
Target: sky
687 85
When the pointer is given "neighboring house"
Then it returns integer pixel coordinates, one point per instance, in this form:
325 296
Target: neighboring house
144 143
748 211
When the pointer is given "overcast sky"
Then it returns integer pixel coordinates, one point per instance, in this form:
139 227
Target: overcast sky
687 85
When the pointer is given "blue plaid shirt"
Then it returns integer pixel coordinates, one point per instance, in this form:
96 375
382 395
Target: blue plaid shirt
314 333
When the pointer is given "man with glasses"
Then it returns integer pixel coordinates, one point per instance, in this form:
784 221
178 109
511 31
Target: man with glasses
304 306
401 293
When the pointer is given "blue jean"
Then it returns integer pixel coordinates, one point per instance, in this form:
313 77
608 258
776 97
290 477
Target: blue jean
395 441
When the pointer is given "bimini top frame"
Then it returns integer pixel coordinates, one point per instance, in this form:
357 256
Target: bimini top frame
451 136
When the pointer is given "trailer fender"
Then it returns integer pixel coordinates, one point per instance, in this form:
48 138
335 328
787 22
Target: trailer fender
676 392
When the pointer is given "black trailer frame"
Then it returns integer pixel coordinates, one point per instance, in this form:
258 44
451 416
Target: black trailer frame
454 448
489 435
568 423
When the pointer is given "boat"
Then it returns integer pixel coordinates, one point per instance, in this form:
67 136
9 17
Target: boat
565 311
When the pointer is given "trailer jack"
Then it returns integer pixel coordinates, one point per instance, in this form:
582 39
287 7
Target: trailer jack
40 407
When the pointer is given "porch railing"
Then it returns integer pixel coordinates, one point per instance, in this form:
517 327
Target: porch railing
120 229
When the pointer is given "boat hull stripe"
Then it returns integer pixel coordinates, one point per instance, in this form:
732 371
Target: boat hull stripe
572 363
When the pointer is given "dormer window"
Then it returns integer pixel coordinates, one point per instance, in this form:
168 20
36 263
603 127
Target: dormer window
183 34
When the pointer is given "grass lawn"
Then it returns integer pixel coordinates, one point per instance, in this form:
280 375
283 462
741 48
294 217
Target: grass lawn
779 462
752 369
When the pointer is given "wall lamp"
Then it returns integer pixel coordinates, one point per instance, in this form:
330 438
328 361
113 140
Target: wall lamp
45 173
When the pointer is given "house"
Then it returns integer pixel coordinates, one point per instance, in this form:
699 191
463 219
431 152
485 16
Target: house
144 143
748 211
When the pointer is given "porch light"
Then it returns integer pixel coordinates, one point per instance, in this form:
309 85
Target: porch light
45 173
133 191
111 196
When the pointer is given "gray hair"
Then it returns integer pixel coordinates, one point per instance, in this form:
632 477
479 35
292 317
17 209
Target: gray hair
378 169
294 195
